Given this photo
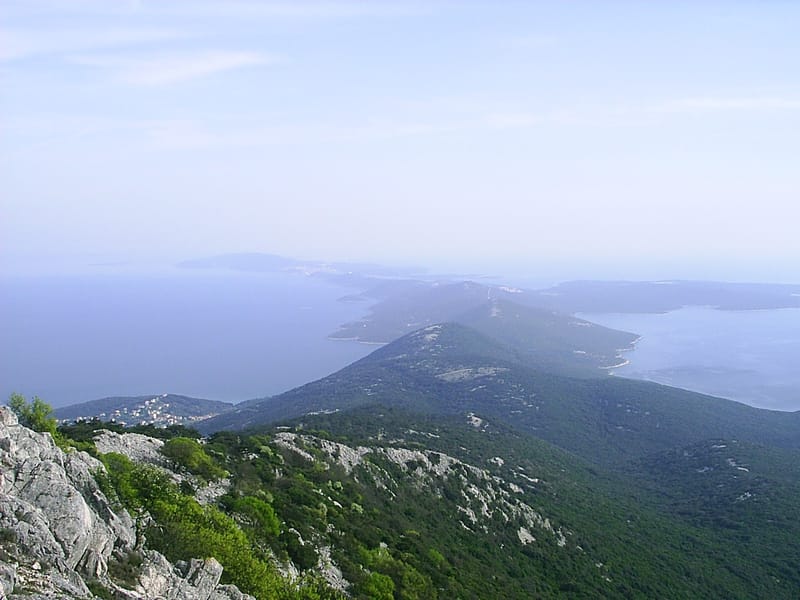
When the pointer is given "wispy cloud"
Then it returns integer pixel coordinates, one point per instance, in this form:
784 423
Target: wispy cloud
18 44
187 134
337 9
532 40
169 69
223 9
517 120
711 103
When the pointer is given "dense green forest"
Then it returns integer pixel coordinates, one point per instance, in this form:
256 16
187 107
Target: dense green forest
331 487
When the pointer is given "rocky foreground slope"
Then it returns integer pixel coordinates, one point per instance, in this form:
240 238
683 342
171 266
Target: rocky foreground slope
62 536
59 534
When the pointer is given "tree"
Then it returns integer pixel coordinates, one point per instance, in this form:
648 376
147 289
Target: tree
378 587
36 415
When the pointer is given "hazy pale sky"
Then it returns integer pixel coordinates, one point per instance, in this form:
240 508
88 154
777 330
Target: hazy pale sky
461 132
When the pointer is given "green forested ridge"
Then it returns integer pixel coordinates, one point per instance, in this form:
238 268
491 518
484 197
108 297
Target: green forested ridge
397 531
554 340
446 465
452 369
664 520
655 530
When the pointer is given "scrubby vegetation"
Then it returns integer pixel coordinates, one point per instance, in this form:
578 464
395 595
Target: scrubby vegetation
388 503
181 528
187 453
395 535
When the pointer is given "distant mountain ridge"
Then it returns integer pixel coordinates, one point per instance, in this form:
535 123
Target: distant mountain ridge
550 338
536 328
259 262
453 369
159 410
404 297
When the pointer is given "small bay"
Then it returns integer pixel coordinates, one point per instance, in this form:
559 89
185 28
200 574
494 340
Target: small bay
751 356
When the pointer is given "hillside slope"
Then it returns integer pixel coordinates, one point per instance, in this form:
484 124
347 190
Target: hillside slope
158 409
552 339
453 369
385 503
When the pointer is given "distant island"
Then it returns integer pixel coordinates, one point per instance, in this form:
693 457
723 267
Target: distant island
392 285
258 262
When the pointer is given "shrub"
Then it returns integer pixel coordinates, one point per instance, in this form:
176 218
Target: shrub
261 513
36 415
189 454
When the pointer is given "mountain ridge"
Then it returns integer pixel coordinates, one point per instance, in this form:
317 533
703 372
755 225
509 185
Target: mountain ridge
453 369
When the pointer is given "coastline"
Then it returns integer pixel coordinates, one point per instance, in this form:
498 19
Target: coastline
620 356
355 339
617 366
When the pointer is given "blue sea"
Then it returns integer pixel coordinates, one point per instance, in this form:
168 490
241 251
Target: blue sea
750 356
205 334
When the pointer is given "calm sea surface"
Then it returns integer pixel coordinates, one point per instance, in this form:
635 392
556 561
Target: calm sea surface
749 356
219 336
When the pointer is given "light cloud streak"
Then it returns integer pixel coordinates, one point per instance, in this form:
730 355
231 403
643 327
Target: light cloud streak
711 103
20 44
169 69
289 10
529 41
519 120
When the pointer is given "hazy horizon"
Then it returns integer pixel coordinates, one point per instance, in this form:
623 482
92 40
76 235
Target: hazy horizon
532 273
618 139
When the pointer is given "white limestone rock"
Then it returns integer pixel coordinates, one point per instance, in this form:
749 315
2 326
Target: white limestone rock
58 530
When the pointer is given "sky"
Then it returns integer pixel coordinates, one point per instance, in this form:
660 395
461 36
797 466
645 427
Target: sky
632 138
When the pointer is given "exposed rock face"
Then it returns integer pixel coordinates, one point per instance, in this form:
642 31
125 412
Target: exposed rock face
144 449
137 447
52 512
58 530
484 496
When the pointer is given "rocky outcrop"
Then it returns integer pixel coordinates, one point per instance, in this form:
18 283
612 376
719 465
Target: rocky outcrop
54 519
144 449
59 532
484 497
139 448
